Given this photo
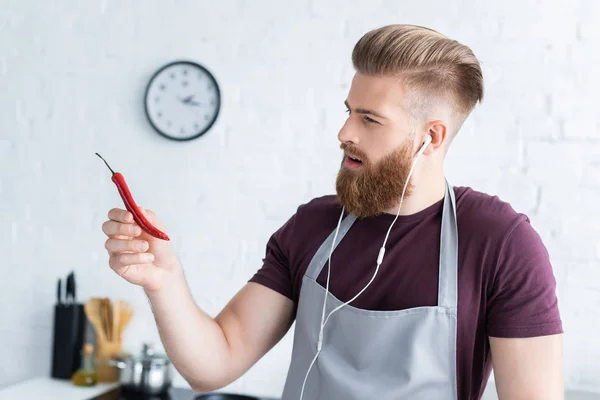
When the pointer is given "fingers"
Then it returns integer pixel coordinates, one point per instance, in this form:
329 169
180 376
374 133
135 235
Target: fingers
120 215
128 256
116 245
113 228
125 216
119 262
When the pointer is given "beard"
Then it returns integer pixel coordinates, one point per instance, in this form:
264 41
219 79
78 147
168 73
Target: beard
375 187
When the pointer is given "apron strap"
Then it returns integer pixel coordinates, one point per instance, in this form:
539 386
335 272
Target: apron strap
448 260
322 255
448 269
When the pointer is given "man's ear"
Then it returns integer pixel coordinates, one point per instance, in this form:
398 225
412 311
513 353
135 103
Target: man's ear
438 130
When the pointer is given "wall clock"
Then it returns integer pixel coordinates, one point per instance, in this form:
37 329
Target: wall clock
182 100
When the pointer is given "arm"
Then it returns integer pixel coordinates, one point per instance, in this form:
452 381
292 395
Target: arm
208 352
528 368
211 353
523 320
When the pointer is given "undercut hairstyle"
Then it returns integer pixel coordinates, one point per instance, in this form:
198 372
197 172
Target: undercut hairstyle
433 69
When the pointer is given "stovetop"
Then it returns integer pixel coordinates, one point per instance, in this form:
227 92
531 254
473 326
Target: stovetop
175 394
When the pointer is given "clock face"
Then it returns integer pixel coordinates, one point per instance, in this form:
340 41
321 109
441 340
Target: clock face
182 100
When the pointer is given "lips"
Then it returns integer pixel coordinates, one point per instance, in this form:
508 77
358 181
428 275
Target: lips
353 158
352 162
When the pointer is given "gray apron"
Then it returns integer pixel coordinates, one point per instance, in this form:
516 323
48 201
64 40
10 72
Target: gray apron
367 354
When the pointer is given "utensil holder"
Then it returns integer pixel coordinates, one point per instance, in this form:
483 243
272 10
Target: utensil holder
106 351
67 340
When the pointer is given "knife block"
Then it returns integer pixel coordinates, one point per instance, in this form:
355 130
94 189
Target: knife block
67 341
106 352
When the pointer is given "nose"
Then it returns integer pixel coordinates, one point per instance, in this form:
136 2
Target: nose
348 134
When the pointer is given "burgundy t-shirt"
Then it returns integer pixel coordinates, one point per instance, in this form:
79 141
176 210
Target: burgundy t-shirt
506 286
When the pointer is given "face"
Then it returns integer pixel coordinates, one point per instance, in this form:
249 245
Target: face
378 146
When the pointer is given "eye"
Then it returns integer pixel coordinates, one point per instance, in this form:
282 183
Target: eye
370 120
347 111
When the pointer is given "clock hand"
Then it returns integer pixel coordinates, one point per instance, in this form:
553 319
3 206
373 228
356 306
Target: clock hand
189 101
186 100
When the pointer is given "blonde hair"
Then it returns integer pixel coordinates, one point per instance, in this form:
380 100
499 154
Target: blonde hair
432 68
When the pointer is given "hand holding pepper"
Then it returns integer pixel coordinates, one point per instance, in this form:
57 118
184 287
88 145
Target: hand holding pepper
135 255
139 249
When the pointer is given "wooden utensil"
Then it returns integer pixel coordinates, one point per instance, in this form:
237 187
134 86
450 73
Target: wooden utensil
100 314
108 311
116 321
93 311
125 317
103 315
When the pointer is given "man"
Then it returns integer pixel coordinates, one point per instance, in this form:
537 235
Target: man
462 285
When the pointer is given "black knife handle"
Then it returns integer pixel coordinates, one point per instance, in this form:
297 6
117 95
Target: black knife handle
67 289
58 292
73 286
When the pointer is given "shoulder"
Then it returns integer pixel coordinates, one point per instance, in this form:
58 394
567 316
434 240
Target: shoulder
500 238
294 242
511 263
311 221
290 248
316 216
485 215
323 206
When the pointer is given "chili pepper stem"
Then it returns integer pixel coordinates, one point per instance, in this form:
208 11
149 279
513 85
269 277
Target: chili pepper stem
111 170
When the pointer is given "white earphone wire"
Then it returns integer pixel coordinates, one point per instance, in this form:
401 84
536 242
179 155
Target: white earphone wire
421 150
382 249
379 262
320 339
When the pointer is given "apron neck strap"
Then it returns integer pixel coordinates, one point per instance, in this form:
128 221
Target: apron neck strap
322 255
448 270
448 260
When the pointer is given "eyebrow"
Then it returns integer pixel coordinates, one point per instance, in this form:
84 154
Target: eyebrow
364 111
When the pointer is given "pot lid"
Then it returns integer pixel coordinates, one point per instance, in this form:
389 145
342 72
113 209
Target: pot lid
149 356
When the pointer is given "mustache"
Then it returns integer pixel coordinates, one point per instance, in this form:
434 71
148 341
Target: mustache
354 152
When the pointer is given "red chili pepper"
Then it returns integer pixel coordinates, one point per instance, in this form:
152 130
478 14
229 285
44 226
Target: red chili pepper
138 217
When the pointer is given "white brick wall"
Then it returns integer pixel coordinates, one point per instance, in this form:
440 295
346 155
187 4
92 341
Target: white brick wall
72 76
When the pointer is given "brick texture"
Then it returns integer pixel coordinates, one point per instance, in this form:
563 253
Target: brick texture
73 75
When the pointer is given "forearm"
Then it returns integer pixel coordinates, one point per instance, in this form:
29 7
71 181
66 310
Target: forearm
194 342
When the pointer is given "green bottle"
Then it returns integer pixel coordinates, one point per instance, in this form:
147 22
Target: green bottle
86 375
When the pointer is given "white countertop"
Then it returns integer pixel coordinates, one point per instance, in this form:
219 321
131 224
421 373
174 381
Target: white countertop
48 388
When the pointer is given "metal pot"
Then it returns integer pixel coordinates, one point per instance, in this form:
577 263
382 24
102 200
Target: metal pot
148 373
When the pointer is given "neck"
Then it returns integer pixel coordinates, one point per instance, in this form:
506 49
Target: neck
429 189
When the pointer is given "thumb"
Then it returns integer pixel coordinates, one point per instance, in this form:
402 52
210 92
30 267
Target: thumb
141 274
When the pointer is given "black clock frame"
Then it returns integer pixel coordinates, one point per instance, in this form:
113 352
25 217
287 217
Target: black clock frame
218 99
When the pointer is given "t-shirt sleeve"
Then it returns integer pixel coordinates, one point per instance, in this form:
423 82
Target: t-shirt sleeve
275 271
522 301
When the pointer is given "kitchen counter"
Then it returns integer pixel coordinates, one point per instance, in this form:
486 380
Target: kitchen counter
48 388
174 393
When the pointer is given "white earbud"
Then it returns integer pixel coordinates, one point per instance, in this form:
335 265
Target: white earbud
428 140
